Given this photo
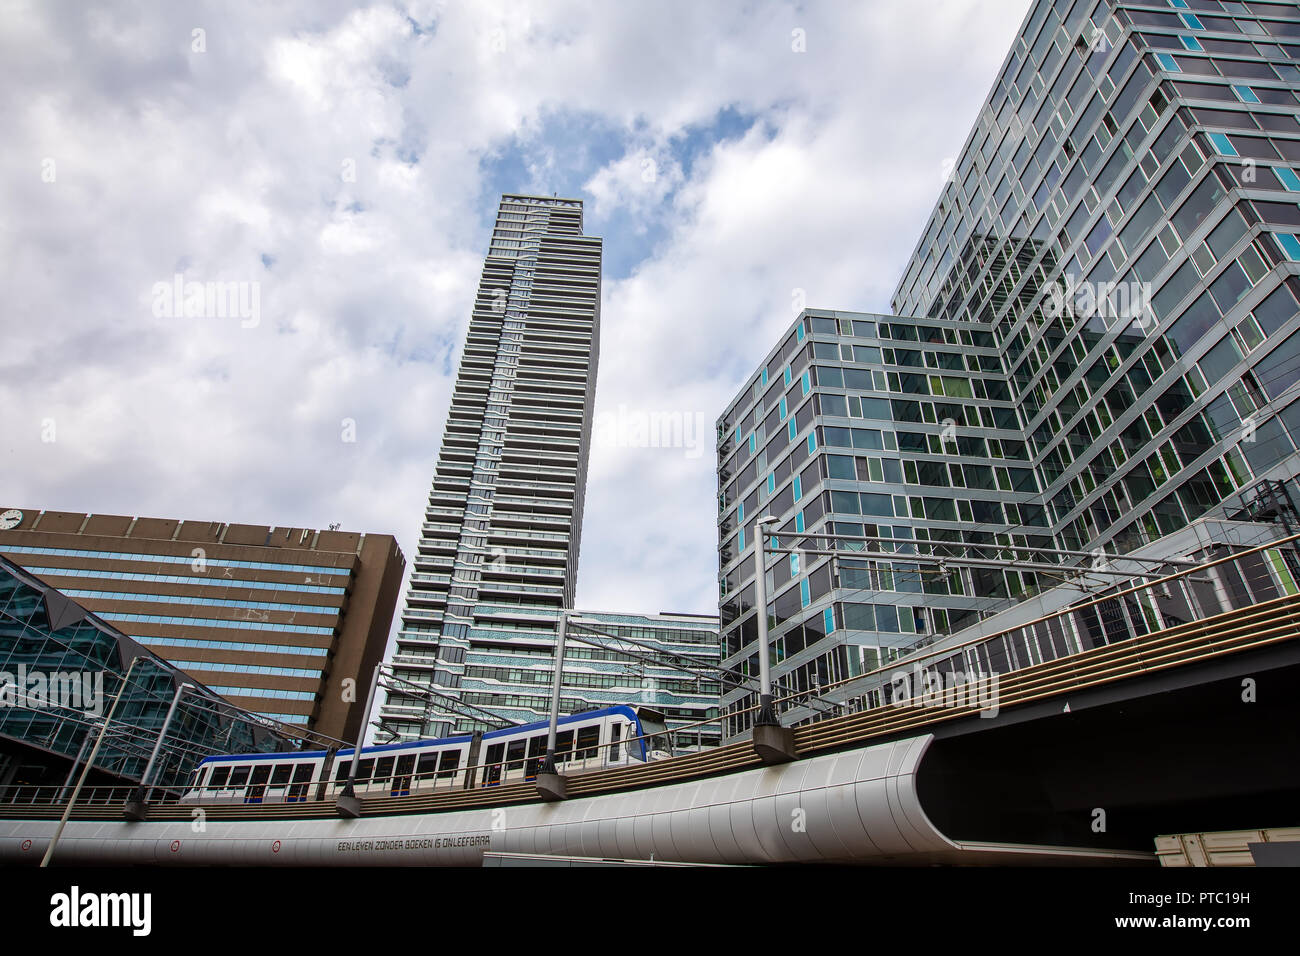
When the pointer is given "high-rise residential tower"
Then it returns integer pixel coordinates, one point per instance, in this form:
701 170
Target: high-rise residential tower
504 516
1101 344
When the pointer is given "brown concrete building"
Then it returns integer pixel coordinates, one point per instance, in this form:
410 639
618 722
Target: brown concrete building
276 620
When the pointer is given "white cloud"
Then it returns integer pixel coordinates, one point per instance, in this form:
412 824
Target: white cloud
202 163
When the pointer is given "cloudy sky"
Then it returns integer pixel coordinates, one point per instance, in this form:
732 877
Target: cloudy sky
347 158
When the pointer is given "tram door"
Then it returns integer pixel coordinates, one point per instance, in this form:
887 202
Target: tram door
536 750
257 783
301 779
515 753
402 775
492 772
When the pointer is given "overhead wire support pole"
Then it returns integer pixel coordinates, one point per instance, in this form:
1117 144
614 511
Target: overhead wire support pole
90 762
772 742
551 784
348 804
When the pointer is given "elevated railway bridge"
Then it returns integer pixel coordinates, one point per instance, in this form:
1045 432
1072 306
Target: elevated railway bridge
1118 718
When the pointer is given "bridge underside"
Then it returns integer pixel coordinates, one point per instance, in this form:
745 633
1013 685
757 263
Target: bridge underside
1205 748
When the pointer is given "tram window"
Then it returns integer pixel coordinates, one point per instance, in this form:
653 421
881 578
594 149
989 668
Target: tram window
563 744
383 769
427 765
515 754
342 773
405 764
239 776
365 768
588 741
302 773
260 774
219 776
281 774
450 762
615 731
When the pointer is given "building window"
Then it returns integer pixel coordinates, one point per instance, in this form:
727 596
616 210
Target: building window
1288 178
1290 245
828 620
805 596
1245 94
798 485
1222 144
1167 63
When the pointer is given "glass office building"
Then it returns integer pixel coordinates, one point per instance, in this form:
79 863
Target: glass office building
1096 339
610 658
61 667
504 516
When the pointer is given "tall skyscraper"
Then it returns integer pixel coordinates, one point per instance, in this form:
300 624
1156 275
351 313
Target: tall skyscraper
504 517
1102 342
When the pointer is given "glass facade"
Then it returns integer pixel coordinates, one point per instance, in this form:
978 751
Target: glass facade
1103 336
510 669
60 669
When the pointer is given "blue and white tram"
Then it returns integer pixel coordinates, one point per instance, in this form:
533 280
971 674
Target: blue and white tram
606 737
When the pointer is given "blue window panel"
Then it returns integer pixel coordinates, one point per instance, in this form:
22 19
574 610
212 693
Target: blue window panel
737 434
783 409
1168 63
812 442
1290 245
798 487
1191 21
1193 44
798 521
1180 4
787 376
789 430
1288 178
1222 144
794 565
753 442
806 381
798 332
740 539
740 511
805 593
771 483
1245 94
828 619
765 375
774 543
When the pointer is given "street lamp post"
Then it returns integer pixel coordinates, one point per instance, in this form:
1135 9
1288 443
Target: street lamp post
90 762
550 782
772 742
